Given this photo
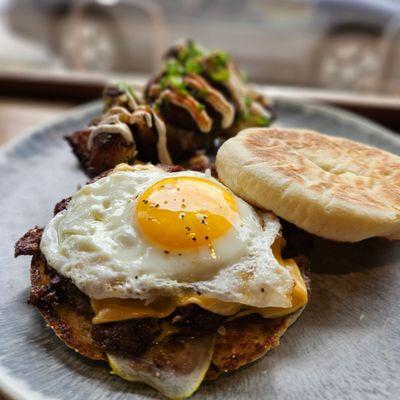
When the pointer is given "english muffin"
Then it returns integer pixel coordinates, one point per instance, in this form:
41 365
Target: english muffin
329 186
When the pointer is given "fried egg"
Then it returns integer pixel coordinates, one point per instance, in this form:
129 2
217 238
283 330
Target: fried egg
141 232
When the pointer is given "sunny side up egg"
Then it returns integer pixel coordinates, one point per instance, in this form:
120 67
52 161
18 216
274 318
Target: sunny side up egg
141 232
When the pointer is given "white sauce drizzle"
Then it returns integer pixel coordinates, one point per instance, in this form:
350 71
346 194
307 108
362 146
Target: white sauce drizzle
141 114
193 107
132 103
236 87
162 149
110 124
121 111
258 109
241 91
215 98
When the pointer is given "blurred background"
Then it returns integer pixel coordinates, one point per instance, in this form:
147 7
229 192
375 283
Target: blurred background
345 52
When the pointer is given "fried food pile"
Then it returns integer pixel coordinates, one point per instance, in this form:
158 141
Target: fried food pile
194 103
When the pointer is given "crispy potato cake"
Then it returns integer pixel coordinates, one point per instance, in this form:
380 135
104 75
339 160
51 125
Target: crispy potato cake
238 342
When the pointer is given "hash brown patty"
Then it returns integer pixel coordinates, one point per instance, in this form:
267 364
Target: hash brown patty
68 313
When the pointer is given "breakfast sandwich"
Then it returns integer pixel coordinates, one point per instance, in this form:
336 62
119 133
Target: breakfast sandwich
167 276
329 186
197 100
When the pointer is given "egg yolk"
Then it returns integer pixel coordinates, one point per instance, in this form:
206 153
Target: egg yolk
184 213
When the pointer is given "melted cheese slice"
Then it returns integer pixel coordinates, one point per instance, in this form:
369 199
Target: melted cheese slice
112 310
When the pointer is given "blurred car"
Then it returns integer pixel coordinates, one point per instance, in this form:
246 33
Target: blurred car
345 44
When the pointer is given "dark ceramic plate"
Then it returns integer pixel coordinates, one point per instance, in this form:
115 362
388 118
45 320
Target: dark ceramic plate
345 346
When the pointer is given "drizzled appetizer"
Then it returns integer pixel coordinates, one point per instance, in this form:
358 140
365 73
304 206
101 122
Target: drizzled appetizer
203 99
197 100
127 128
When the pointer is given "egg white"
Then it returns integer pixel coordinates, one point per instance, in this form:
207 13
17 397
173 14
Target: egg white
95 243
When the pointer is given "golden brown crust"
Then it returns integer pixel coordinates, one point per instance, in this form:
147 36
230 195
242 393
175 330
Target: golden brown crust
78 142
366 162
107 152
72 328
239 342
28 245
329 186
245 340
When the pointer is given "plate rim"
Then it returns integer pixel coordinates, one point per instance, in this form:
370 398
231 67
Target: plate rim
16 389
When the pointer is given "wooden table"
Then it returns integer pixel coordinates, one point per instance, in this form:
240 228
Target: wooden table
19 115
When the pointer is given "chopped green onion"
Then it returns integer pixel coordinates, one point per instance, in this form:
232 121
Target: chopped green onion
124 87
194 59
262 120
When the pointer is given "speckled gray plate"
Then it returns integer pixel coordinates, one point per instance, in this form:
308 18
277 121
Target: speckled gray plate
345 346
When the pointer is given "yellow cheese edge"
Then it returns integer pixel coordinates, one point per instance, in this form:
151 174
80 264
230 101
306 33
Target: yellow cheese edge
114 309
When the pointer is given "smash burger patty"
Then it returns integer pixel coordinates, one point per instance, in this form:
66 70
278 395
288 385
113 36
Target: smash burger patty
169 341
134 335
63 306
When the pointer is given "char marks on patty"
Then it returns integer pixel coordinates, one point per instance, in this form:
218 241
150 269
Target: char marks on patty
51 292
132 336
29 244
68 312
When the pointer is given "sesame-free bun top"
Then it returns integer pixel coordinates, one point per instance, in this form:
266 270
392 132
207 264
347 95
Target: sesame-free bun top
329 186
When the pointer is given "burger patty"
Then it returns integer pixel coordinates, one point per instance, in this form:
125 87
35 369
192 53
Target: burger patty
192 320
132 336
